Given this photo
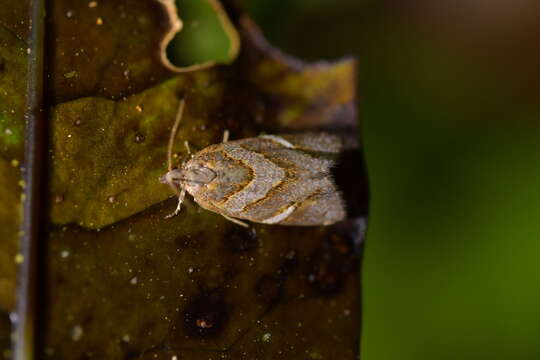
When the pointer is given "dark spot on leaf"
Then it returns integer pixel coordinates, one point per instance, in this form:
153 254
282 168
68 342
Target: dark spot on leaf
131 354
324 273
240 239
60 279
348 237
192 241
329 264
2 64
269 289
341 244
139 138
206 315
289 264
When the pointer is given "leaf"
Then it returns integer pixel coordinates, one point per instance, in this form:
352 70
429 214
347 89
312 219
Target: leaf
123 282
88 130
12 103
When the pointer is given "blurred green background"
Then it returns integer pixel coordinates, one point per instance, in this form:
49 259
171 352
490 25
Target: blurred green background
449 108
201 33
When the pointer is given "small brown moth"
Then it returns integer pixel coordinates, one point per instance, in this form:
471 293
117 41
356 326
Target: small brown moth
267 179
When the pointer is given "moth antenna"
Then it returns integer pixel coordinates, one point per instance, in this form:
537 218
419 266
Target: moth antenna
174 131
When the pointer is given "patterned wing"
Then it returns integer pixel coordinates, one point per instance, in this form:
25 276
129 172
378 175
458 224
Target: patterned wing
300 190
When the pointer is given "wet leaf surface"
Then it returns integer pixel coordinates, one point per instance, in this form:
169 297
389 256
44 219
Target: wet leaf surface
198 284
123 282
107 50
88 130
14 18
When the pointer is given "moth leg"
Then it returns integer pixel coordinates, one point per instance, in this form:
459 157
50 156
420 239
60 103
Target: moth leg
179 206
188 149
236 221
225 136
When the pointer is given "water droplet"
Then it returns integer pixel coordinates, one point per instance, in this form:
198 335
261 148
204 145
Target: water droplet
14 317
19 258
266 337
139 138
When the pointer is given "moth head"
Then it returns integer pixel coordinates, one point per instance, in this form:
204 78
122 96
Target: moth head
191 175
172 177
195 174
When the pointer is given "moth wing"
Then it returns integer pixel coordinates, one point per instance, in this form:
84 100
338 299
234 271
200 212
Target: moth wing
307 195
317 142
323 208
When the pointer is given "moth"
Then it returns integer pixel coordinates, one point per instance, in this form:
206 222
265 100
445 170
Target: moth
270 179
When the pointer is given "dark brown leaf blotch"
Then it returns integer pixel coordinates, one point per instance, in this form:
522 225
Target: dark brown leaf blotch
207 315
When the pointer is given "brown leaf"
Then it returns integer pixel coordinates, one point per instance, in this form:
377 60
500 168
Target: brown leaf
122 282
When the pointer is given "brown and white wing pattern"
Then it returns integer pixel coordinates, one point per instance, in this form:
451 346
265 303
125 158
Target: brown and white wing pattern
286 180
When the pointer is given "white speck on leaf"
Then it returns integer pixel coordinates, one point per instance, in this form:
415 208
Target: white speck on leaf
77 332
